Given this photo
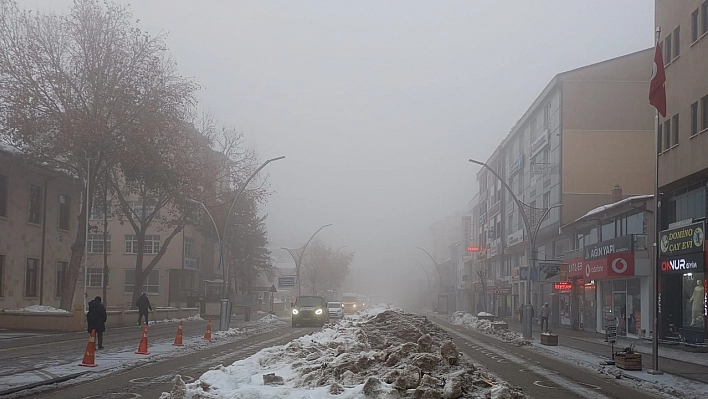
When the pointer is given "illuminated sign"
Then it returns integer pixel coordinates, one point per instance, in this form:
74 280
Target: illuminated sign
563 286
538 144
688 263
682 240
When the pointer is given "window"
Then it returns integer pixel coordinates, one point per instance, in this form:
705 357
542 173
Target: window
667 49
675 126
510 224
677 42
660 139
686 203
95 243
519 220
694 26
95 277
693 296
188 246
152 244
3 195
704 17
694 119
547 204
31 277
35 204
64 212
151 285
704 113
635 224
2 275
142 211
667 134
533 130
97 210
608 230
62 267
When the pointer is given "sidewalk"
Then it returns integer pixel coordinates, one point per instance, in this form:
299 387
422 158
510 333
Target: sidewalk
643 346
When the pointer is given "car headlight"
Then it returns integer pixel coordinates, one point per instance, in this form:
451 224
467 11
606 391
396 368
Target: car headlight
318 311
295 311
355 305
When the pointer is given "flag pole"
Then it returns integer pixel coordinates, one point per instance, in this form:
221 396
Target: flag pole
657 228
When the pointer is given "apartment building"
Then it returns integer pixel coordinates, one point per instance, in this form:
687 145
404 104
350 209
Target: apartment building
683 168
589 130
38 224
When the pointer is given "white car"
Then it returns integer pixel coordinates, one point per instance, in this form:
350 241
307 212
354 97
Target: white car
335 310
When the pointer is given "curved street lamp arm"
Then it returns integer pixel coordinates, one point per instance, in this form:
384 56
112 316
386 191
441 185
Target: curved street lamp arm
302 252
216 229
290 252
437 266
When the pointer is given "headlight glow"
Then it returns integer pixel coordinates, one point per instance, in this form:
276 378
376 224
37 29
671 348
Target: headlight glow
318 311
355 305
295 311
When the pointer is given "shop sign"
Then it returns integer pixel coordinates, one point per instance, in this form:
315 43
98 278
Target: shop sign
689 263
494 247
563 286
515 237
705 298
191 263
575 267
614 265
563 272
517 165
616 245
682 240
540 168
538 144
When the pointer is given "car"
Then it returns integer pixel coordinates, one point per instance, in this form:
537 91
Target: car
310 310
335 310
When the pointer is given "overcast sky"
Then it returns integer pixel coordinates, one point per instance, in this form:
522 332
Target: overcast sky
377 105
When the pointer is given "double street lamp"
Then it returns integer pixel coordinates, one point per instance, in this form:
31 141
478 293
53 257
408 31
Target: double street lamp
533 218
222 237
298 260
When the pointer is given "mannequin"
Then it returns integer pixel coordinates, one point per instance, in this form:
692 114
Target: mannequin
697 304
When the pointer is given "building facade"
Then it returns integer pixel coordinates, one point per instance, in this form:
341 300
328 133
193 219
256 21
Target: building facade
38 224
683 167
574 143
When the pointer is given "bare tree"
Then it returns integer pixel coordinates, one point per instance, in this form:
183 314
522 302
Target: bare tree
482 272
72 86
324 270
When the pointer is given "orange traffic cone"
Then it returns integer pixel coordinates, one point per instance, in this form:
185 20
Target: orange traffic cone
90 354
207 334
143 348
178 338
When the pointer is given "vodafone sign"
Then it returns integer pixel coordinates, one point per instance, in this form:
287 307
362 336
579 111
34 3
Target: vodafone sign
614 265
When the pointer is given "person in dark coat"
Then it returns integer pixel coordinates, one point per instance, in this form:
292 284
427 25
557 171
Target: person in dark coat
96 318
143 305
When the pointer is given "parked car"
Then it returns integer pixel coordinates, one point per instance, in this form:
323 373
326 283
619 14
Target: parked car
309 310
335 310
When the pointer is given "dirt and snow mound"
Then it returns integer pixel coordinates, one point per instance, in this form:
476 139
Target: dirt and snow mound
387 355
467 320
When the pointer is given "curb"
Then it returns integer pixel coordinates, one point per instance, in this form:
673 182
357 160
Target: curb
41 383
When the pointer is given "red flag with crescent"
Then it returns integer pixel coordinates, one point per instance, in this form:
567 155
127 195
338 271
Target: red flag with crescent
657 90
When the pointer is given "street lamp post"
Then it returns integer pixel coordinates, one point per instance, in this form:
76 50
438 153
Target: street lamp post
221 238
437 267
428 277
533 218
298 261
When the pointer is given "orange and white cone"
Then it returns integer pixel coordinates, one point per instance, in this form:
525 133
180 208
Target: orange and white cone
207 334
178 338
90 354
143 348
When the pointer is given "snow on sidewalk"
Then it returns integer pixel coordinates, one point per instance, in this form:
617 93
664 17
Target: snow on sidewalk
379 353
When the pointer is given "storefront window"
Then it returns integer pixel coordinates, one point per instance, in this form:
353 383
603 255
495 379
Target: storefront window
693 306
607 312
589 307
634 306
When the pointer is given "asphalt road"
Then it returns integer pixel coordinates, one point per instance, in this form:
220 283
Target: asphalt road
151 379
539 376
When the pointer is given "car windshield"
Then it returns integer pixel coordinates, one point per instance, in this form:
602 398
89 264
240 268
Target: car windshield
308 301
334 305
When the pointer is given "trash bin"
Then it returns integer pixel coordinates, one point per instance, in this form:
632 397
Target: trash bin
225 315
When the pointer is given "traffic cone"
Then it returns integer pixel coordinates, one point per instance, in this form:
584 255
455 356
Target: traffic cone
178 338
143 348
90 354
207 334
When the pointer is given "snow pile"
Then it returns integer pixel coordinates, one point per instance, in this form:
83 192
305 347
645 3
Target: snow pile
269 319
467 320
174 320
484 314
390 354
38 309
232 332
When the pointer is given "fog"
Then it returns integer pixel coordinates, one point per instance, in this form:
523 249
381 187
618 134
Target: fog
378 105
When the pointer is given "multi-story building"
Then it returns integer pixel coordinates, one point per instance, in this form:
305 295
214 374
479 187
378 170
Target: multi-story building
683 166
38 224
589 130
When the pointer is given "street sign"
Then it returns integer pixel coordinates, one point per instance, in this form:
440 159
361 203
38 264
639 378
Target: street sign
540 168
612 333
286 282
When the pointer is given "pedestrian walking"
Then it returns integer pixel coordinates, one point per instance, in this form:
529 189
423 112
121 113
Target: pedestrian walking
96 319
545 312
532 313
143 305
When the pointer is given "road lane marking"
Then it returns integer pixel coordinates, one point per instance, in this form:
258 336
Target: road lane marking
539 384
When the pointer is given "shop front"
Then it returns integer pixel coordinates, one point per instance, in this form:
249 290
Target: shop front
683 288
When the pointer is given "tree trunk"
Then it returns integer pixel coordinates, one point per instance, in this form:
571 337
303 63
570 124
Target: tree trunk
139 274
72 275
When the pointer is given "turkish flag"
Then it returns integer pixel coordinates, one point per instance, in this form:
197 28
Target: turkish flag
657 91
